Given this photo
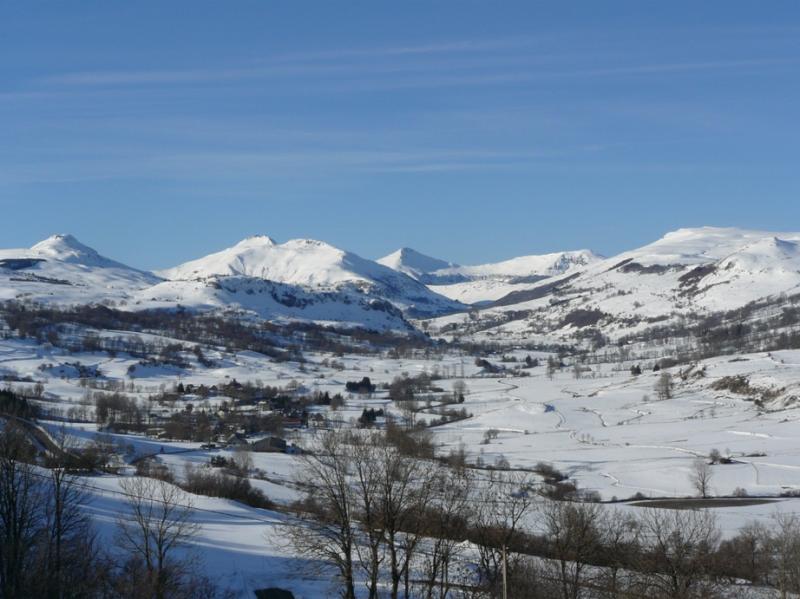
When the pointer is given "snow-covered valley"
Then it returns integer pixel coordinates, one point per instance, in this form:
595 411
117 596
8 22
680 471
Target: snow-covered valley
592 378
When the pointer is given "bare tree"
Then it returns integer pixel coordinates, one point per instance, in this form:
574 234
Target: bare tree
574 535
551 367
749 555
460 390
620 534
366 466
159 523
784 544
70 553
22 500
243 459
445 522
664 386
678 552
503 502
700 477
47 547
403 491
409 408
577 370
328 536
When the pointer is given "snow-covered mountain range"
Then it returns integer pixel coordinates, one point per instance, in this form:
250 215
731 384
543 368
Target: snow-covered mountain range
298 280
485 282
687 272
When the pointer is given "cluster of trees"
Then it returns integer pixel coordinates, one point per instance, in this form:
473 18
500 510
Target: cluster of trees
405 387
369 510
363 386
13 404
118 411
369 416
201 425
443 415
46 545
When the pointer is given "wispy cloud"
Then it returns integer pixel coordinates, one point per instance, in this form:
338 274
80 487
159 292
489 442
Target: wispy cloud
264 165
453 47
429 67
298 63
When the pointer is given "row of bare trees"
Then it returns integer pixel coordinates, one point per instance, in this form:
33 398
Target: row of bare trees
409 527
405 526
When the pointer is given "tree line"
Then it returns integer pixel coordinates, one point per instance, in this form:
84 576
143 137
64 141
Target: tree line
396 525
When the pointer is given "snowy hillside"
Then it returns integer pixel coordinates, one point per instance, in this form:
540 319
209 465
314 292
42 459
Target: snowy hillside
315 265
485 282
277 302
687 272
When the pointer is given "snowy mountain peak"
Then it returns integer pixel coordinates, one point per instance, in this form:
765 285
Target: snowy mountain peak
67 248
414 263
311 245
256 241
62 269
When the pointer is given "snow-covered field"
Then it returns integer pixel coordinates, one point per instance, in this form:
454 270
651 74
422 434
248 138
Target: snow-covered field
607 430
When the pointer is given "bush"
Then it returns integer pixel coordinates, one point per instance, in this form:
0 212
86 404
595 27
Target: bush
213 483
549 473
417 443
153 469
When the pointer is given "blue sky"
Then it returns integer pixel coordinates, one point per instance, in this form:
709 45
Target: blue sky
473 131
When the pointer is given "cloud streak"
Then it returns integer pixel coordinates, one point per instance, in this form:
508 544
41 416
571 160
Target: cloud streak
328 72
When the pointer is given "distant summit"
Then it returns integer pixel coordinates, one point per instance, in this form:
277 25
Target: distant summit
414 263
66 248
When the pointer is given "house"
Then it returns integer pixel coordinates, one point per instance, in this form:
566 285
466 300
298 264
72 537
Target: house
236 439
269 444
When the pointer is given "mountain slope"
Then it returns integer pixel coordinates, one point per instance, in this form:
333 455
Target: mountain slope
686 273
277 302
